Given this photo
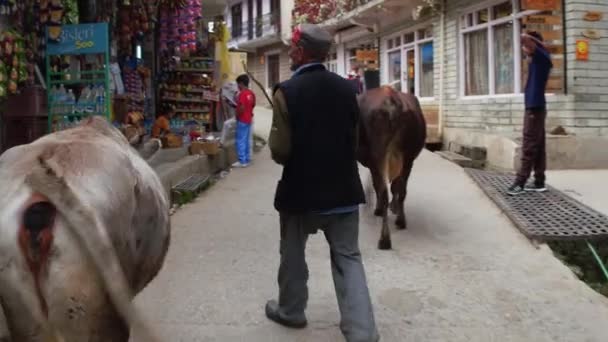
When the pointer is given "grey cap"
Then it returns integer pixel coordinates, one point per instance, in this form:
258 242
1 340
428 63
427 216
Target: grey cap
315 39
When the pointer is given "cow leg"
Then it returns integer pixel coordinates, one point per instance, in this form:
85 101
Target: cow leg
382 208
385 236
381 192
397 193
399 190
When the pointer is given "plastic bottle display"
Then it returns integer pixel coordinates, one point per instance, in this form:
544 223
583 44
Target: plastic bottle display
68 109
70 102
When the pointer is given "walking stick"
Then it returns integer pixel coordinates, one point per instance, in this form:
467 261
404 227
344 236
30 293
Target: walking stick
258 83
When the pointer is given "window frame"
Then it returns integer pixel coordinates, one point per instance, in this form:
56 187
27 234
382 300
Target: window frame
350 59
332 62
463 29
267 56
233 30
404 46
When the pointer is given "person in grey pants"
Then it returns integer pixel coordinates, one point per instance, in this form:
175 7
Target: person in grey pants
314 137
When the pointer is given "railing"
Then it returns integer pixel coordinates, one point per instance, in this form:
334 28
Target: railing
261 26
268 24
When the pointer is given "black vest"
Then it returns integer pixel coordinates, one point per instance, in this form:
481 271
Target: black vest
322 171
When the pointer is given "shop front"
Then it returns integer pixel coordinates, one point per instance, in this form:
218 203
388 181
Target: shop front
383 44
408 61
356 55
64 60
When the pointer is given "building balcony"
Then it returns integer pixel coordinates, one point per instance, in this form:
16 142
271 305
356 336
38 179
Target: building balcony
261 31
338 14
319 11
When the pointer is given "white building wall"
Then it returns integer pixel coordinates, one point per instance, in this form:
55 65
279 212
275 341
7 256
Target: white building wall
584 111
286 20
341 55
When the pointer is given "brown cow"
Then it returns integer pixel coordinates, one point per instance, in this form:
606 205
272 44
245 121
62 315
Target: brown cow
392 132
84 226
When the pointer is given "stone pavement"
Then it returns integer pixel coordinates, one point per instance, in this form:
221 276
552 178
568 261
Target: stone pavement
461 272
587 186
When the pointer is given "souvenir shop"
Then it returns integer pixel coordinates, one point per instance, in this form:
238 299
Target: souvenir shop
127 60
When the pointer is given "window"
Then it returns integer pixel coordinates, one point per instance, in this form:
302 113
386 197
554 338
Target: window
410 62
476 59
351 59
351 56
504 68
237 20
426 70
273 70
332 62
259 24
490 53
275 6
394 67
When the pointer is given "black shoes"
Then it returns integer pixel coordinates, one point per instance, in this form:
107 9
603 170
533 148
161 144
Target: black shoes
272 312
536 187
517 189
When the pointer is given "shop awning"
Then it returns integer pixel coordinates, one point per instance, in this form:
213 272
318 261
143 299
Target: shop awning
376 13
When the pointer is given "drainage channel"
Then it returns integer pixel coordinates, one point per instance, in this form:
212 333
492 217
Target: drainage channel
187 190
549 216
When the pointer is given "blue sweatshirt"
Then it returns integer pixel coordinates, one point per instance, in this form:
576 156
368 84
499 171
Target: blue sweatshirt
538 75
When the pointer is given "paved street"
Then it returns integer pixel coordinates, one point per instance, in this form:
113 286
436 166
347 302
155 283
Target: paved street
461 272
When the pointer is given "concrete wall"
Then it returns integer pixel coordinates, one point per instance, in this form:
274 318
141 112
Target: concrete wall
257 64
588 80
286 19
563 152
584 111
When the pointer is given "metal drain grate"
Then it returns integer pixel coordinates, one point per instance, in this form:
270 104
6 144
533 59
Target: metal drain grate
543 216
193 183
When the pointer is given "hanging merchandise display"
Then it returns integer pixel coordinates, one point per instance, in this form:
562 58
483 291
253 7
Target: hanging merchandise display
187 84
50 14
13 62
23 39
134 21
9 7
136 78
178 25
132 104
83 89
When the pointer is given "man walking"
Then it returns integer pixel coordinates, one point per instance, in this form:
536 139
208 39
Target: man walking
533 149
244 117
314 137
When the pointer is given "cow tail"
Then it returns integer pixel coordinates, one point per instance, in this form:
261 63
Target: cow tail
92 236
368 186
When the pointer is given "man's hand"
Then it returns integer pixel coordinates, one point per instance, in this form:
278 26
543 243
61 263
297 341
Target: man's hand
528 44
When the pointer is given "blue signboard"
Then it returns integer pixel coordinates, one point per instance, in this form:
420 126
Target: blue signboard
79 39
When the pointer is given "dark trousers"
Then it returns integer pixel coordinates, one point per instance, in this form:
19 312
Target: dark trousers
342 234
533 154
